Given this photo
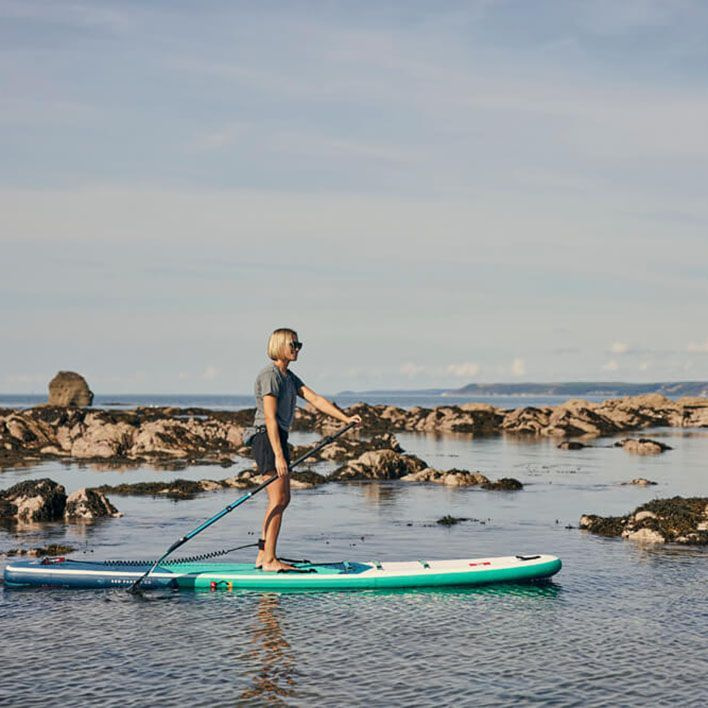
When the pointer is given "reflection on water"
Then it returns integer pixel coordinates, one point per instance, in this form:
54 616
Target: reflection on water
379 493
270 652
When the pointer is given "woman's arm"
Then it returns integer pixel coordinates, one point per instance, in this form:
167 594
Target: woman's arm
270 406
322 404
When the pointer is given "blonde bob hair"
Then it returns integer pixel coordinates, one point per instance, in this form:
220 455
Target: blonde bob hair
279 342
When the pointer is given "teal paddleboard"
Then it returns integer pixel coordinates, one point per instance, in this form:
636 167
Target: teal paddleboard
65 572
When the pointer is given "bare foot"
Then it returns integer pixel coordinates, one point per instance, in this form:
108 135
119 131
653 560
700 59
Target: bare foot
259 560
276 565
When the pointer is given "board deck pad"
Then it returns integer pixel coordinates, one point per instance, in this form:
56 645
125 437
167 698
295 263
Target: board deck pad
66 572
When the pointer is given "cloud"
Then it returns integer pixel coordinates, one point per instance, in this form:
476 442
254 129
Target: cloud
464 370
619 348
698 347
210 373
611 365
644 365
518 367
411 369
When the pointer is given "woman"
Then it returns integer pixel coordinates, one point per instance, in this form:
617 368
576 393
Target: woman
276 390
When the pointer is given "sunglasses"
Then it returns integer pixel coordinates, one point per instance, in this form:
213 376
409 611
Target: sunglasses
297 346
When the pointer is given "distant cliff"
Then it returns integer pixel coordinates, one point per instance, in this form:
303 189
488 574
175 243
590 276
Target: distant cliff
574 389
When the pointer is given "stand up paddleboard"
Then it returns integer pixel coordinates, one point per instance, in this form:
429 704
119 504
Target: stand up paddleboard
65 572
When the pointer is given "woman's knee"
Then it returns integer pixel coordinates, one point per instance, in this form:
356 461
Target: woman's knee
279 501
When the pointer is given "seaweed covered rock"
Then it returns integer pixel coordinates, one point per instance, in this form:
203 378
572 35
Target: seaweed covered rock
349 447
450 478
640 482
642 446
299 479
676 520
33 500
379 464
173 489
88 504
505 484
68 388
571 445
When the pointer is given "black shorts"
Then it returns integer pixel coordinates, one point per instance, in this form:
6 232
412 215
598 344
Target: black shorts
263 450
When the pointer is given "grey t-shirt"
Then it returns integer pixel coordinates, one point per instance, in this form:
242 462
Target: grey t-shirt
271 382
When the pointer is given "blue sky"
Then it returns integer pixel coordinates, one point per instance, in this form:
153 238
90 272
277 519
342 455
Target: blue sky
431 193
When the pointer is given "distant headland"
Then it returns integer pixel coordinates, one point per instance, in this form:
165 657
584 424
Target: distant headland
572 389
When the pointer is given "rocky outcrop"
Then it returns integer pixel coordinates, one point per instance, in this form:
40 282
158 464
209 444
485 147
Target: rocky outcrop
462 478
642 446
88 505
178 488
574 418
144 434
68 388
379 464
676 520
37 500
583 418
299 479
572 445
476 418
157 435
33 500
53 549
505 484
640 482
350 446
450 478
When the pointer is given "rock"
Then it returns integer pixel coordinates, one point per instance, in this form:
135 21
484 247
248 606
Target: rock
33 500
53 549
68 388
452 478
306 479
174 489
644 535
88 504
448 520
571 445
379 464
505 484
676 520
349 448
641 515
640 482
642 446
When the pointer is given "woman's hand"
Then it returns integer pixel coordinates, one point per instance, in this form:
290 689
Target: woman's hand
354 419
281 466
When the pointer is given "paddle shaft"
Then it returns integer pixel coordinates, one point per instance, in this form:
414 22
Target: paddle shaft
226 510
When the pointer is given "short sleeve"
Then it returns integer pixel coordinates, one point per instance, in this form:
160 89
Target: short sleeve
297 381
269 383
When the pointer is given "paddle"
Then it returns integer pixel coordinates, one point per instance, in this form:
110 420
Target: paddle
135 587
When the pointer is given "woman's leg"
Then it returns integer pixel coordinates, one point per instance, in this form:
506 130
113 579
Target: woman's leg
278 500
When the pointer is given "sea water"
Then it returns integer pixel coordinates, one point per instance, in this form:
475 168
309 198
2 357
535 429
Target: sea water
621 624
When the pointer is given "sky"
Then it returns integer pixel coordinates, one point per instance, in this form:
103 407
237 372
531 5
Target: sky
431 194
